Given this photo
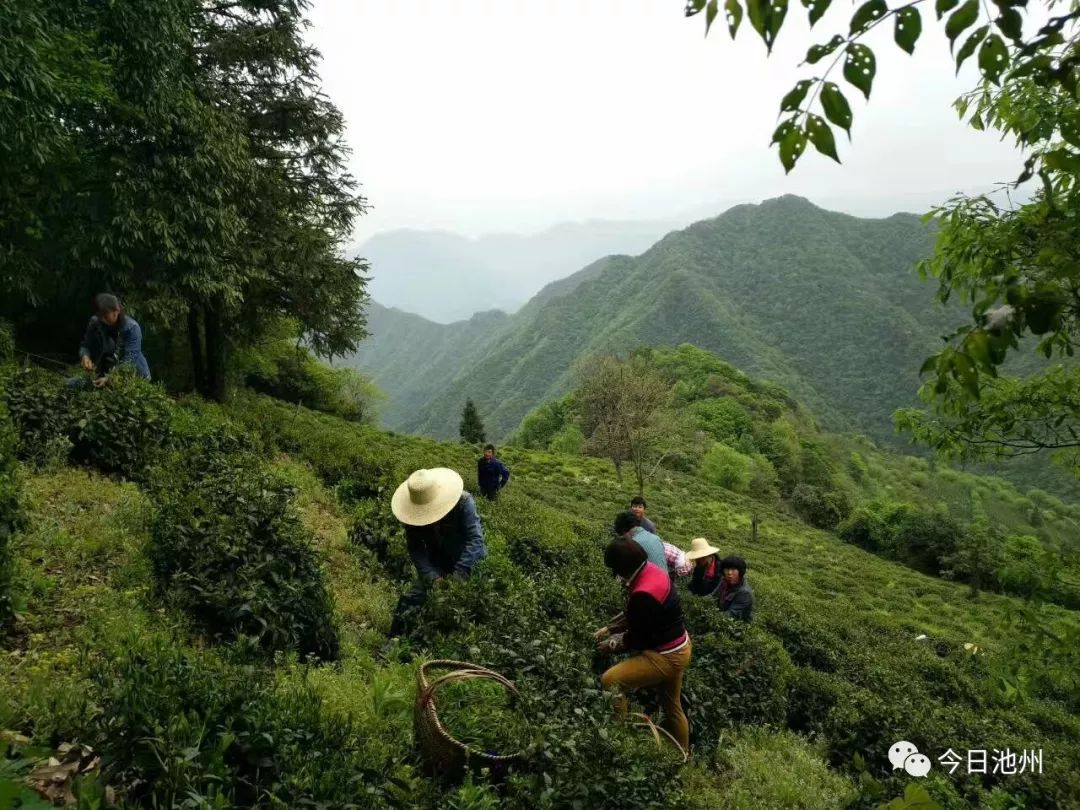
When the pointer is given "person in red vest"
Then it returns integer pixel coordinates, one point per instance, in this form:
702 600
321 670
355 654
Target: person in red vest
651 627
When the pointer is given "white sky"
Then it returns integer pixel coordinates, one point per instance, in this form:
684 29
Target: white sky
511 115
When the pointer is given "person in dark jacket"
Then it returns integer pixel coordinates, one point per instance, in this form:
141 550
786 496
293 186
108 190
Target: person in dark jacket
637 506
491 474
112 337
651 626
443 533
734 594
707 571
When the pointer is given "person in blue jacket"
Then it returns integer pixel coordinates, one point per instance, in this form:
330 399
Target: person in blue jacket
112 337
443 533
491 474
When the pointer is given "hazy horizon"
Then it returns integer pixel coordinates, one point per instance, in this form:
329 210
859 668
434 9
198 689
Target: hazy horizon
513 117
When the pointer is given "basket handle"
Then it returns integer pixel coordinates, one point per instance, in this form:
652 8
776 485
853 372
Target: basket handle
464 674
657 731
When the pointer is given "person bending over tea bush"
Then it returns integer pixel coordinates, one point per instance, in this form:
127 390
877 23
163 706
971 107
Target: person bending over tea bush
671 558
112 337
443 532
652 626
628 527
707 571
734 594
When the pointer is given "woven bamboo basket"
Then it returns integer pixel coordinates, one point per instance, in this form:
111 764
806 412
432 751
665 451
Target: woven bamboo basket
441 751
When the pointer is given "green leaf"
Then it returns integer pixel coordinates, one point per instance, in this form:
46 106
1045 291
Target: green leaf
1062 160
711 10
943 6
793 99
819 52
1070 128
734 16
817 9
965 373
993 58
970 44
694 7
866 14
860 66
792 140
961 20
836 106
767 17
907 29
1010 23
821 136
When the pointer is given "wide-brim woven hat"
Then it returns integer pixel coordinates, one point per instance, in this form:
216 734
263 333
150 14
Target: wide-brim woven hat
427 496
700 547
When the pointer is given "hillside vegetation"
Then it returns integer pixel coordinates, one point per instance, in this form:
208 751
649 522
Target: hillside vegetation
752 438
856 320
198 685
826 305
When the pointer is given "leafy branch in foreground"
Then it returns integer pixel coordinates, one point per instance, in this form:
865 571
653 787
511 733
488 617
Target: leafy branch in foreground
1048 56
1017 265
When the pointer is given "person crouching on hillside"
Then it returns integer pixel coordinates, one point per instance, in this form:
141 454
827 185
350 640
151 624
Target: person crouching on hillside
491 474
734 594
112 337
443 532
664 555
651 626
707 572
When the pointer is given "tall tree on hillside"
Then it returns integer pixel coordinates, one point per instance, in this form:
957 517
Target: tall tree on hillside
621 406
1017 265
178 151
471 428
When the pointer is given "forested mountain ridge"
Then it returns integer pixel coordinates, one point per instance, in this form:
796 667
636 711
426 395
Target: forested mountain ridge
824 303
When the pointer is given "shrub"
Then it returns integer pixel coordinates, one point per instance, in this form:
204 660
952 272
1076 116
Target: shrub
811 696
289 372
820 507
39 407
721 418
120 427
229 549
11 515
864 528
727 468
117 429
184 728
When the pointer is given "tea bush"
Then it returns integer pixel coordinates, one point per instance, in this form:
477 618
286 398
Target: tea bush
118 428
40 410
121 427
184 728
229 549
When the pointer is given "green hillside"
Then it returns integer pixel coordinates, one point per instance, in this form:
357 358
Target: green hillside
191 692
856 321
827 305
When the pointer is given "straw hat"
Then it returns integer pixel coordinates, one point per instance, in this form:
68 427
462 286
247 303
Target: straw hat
699 547
427 496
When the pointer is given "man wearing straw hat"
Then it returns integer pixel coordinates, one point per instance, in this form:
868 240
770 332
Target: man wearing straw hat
443 532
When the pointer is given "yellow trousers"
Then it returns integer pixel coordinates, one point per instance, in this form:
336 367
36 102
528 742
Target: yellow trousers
662 671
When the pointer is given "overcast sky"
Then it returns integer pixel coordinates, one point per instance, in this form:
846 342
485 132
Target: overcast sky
478 116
